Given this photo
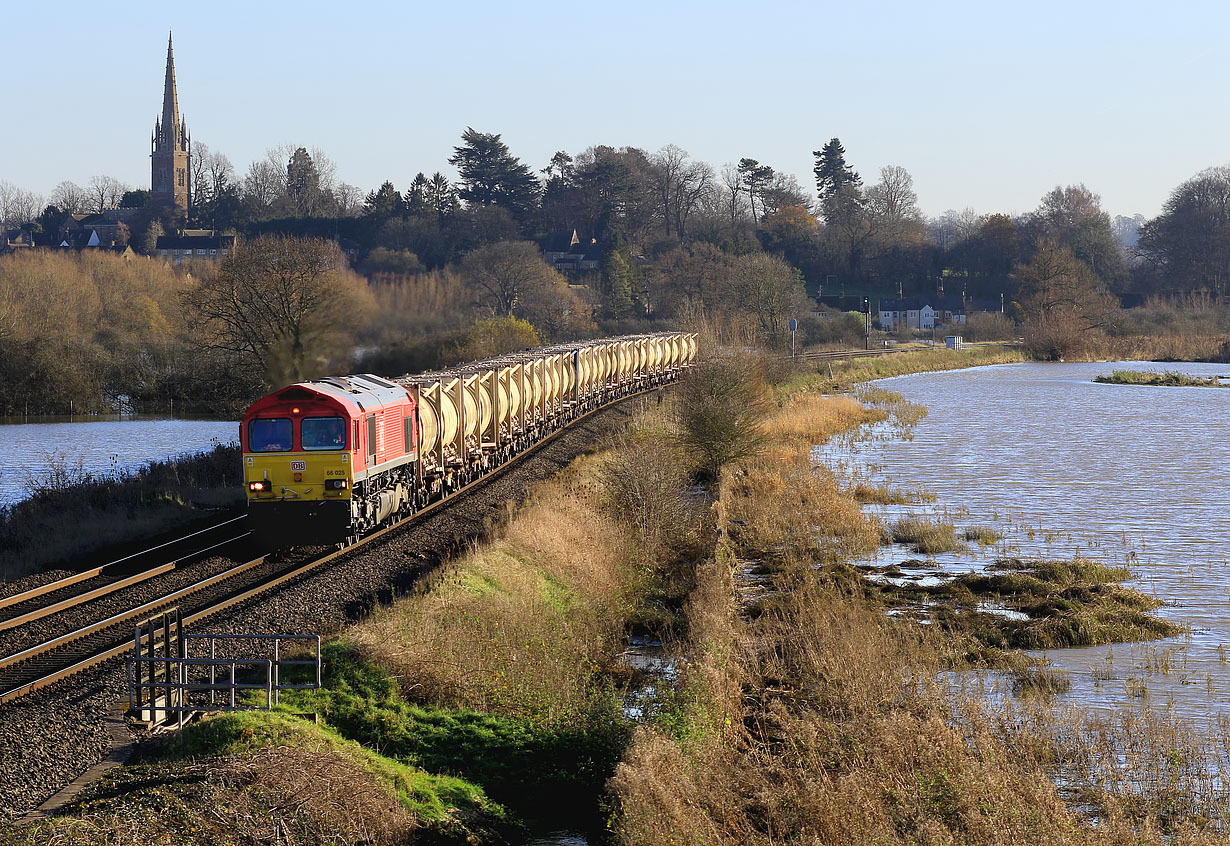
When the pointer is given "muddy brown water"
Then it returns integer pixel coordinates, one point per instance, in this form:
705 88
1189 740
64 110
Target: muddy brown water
1064 466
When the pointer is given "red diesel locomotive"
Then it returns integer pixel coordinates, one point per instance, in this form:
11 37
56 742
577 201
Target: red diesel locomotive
328 460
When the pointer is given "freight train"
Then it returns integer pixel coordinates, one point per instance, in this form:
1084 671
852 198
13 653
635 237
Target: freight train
330 460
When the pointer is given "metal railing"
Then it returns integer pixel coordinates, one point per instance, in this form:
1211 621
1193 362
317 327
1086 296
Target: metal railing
165 681
277 661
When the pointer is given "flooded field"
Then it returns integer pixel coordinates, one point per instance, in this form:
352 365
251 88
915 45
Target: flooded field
1062 466
98 446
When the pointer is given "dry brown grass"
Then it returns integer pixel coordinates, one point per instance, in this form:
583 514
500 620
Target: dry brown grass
786 510
811 418
277 794
520 625
819 720
781 508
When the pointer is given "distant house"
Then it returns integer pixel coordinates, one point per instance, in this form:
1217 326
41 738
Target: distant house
563 250
194 245
15 240
921 312
560 246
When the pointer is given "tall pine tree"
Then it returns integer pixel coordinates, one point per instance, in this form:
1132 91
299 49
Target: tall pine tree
837 183
492 176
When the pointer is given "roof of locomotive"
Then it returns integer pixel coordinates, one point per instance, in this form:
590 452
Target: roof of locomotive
358 393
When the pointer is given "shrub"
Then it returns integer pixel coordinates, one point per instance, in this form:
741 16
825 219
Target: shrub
720 409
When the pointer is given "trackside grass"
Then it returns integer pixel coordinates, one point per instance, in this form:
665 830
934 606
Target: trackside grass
271 778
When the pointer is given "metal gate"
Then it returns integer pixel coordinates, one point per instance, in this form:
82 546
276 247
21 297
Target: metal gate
171 677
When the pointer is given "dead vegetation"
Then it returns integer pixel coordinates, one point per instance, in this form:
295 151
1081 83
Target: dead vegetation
817 718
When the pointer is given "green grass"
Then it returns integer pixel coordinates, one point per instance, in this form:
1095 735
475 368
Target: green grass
252 777
531 767
432 798
1165 378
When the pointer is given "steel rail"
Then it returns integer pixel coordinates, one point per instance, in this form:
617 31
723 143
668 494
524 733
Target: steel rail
82 598
114 619
69 581
119 649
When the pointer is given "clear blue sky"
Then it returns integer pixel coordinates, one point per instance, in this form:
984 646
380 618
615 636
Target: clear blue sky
987 106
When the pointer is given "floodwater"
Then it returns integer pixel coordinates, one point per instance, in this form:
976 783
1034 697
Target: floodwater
98 446
1064 466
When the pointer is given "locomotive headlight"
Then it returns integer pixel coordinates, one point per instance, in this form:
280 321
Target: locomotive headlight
335 484
262 486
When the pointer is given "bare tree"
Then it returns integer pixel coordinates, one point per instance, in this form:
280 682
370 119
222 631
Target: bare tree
678 184
732 192
277 304
954 227
502 275
104 193
349 199
892 202
69 197
17 205
264 186
211 173
770 288
784 190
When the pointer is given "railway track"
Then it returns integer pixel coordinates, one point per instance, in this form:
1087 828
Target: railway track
100 640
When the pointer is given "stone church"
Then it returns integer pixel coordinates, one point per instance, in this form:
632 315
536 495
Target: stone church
171 152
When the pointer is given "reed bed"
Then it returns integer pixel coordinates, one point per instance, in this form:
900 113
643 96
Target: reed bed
815 718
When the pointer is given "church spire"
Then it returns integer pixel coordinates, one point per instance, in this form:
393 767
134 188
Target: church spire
170 164
170 101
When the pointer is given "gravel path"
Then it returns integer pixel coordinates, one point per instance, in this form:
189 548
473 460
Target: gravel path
49 738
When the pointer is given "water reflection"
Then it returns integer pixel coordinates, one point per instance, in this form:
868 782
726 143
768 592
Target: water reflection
1063 466
99 446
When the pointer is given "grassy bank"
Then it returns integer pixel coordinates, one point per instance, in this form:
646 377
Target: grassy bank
72 515
270 778
843 375
1153 378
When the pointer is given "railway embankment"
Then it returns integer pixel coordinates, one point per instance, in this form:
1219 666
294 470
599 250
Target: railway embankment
798 709
75 519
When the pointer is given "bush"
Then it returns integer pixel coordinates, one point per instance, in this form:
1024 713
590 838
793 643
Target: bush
720 410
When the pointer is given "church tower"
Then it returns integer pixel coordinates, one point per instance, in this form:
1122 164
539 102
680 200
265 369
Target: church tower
171 146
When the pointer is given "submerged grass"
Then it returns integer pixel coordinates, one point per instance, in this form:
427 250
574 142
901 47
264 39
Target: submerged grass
1165 378
930 537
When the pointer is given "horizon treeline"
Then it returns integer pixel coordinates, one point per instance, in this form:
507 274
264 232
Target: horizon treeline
845 234
442 272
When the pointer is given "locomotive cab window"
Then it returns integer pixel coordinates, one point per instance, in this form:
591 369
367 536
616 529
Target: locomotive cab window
270 434
323 433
